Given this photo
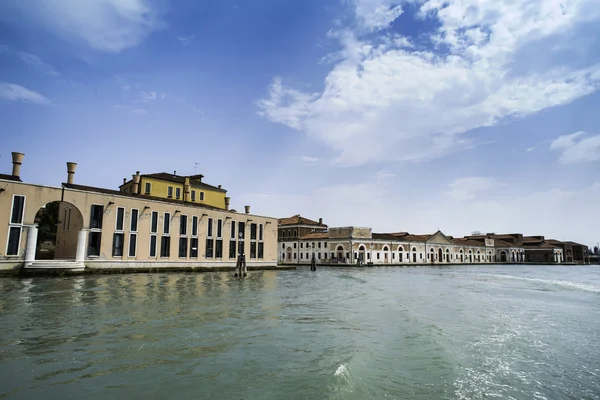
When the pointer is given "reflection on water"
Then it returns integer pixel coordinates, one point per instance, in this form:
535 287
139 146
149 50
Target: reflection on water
418 333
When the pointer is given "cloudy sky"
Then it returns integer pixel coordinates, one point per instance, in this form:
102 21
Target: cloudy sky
412 115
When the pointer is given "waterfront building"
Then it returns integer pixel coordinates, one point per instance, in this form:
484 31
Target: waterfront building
172 186
105 229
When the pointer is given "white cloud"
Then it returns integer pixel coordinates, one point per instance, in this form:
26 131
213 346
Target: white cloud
374 15
468 188
105 25
14 92
32 60
148 96
577 147
385 101
530 149
185 40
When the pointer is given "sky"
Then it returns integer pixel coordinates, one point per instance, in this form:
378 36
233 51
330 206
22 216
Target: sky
412 115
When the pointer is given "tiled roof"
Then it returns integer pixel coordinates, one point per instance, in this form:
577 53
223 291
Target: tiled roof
137 196
299 220
165 176
467 242
10 178
387 236
316 235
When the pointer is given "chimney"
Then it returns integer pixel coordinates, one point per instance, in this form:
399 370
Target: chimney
219 186
186 189
136 182
71 166
17 161
124 181
247 209
227 199
320 221
174 174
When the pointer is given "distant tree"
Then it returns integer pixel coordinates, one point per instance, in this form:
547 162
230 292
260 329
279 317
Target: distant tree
596 250
48 221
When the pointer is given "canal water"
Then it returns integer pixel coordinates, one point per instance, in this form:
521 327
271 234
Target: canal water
512 332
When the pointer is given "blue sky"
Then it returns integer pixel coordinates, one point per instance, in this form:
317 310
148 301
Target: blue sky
400 115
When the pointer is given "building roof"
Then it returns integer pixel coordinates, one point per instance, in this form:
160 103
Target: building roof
315 236
467 242
299 220
139 196
10 178
195 180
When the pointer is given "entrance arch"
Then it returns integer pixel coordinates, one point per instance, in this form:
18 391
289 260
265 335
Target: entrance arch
362 253
340 252
59 223
289 254
503 256
414 251
440 255
385 254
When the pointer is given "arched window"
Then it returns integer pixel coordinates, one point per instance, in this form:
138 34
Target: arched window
295 233
289 233
385 248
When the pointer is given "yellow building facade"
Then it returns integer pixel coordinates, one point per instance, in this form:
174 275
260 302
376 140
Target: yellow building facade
172 186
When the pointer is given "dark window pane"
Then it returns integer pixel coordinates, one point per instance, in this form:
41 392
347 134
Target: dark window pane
14 238
241 247
153 246
94 244
134 221
118 239
252 231
120 218
233 229
210 227
241 230
232 249
96 217
194 248
154 225
147 188
194 226
167 223
183 247
253 250
183 225
165 246
219 228
132 244
260 232
209 248
261 250
219 249
17 210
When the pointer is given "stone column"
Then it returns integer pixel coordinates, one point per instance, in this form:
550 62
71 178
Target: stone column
32 235
81 244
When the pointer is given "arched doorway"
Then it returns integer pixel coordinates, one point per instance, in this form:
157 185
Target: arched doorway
362 256
503 256
400 254
462 256
414 251
471 256
58 226
289 254
340 253
440 255
478 256
385 254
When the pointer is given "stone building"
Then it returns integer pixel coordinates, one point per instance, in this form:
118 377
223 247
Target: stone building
115 229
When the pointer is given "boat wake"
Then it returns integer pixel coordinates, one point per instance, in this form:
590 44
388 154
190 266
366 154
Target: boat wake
551 282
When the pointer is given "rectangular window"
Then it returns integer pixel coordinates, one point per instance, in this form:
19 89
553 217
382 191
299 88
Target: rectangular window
232 229
201 196
148 188
219 248
132 244
154 222
301 245
14 240
167 224
94 243
96 216
232 244
319 246
301 254
153 246
120 219
219 228
165 246
18 209
133 220
183 225
118 239
319 256
194 248
241 230
252 231
65 220
183 247
193 195
178 193
252 249
170 192
210 228
69 219
209 248
194 226
260 232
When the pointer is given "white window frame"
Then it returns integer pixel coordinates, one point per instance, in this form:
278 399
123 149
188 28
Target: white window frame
133 232
193 195
178 193
147 187
170 192
155 234
15 225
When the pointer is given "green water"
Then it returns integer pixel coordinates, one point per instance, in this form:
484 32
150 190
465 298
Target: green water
515 332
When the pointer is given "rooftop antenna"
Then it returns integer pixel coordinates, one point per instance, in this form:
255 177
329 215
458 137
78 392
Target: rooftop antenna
195 165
